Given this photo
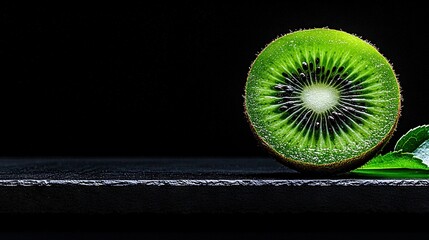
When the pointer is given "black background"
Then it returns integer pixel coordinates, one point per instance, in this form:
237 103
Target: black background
167 79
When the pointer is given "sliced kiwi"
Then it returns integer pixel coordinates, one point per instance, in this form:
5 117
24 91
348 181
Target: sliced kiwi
322 100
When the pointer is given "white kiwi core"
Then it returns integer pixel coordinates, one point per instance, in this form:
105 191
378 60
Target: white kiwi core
320 97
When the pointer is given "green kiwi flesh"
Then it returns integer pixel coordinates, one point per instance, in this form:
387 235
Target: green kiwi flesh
322 100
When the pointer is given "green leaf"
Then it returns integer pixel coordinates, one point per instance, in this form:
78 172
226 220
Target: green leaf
416 141
395 160
410 158
398 173
413 139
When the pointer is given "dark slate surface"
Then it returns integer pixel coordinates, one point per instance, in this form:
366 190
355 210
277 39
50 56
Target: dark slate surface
142 168
195 186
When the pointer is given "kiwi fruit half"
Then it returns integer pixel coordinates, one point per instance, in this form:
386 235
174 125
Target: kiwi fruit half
322 100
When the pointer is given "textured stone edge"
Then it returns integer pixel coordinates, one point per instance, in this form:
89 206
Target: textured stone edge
217 183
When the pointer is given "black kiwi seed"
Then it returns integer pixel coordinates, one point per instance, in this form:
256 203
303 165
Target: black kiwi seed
283 108
304 65
318 70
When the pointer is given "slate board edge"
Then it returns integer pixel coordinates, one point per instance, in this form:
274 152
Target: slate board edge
219 182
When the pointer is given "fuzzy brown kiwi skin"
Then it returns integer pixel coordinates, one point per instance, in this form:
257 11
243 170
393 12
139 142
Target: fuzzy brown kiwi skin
330 168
